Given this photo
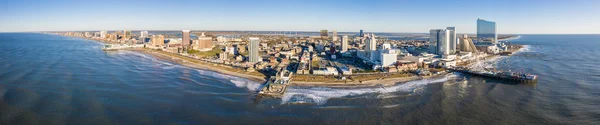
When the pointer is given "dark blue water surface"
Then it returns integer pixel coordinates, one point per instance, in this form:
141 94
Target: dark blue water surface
50 79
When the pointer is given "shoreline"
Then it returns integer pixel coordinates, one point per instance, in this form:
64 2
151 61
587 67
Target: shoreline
394 80
178 59
510 38
198 64
387 82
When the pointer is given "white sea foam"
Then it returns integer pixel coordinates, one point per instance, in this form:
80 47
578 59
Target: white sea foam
391 106
237 81
526 48
320 95
487 63
252 86
161 63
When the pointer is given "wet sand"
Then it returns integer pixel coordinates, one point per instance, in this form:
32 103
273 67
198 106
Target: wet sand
198 64
189 62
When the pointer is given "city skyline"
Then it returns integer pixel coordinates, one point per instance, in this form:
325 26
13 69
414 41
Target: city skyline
512 17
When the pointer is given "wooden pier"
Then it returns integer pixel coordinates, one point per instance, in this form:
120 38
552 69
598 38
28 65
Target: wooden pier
519 79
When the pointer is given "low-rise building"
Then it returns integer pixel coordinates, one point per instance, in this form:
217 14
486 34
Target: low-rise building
223 56
345 70
405 65
325 71
388 57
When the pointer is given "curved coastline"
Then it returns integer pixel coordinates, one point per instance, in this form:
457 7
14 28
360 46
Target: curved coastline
511 38
198 65
184 61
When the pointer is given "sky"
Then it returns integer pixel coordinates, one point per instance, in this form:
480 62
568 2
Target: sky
403 16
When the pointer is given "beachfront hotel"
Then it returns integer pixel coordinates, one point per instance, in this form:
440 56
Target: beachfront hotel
185 38
486 31
253 56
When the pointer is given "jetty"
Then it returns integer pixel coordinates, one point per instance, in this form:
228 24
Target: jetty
276 85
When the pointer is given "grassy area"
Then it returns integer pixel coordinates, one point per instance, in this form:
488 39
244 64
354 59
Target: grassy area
366 71
316 78
213 52
377 76
316 64
351 78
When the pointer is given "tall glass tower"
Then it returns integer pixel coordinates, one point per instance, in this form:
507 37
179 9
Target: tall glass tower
486 31
439 41
253 47
361 33
453 40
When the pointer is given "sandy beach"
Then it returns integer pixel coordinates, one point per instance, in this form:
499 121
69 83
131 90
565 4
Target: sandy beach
257 77
186 61
189 62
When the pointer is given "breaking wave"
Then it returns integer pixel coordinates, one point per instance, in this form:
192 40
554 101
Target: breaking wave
250 85
526 48
237 81
320 95
161 63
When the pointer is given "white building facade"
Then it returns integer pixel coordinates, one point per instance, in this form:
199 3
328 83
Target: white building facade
344 43
253 50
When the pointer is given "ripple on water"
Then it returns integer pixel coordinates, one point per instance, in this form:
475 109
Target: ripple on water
237 81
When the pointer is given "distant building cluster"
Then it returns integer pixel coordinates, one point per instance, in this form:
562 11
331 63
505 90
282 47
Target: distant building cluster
337 54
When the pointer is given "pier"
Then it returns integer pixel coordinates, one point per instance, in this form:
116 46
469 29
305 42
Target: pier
272 87
519 77
276 85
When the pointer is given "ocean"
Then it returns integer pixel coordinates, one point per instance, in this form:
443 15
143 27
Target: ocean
50 79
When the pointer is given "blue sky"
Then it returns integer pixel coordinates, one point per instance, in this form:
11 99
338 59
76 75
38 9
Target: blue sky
511 16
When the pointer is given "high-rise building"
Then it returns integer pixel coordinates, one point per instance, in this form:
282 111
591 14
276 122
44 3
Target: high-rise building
344 43
143 34
439 40
96 34
361 33
371 47
185 38
87 34
111 37
453 39
103 34
204 43
127 34
335 36
231 50
324 33
253 56
371 43
486 31
158 41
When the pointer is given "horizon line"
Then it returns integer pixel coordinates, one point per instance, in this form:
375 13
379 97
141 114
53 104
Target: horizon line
317 31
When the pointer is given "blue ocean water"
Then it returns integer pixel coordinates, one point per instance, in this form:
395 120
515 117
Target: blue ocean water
51 79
